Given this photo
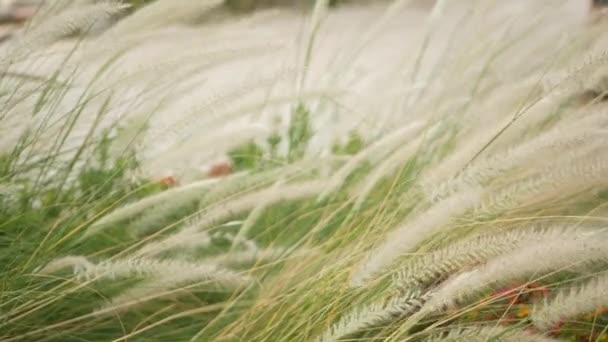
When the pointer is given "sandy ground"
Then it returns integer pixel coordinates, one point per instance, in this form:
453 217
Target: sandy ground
213 86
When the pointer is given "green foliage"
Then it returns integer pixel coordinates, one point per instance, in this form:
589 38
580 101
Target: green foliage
299 132
273 144
246 157
352 146
138 3
40 224
251 156
106 175
5 165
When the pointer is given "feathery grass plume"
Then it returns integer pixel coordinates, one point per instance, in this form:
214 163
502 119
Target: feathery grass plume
233 185
164 214
375 151
188 238
412 232
373 316
150 290
574 78
572 302
241 183
554 141
488 333
77 263
198 241
161 13
573 251
182 205
128 211
67 22
582 170
223 211
169 271
287 192
183 274
423 271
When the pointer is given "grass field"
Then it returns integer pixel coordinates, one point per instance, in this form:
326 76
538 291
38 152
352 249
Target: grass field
391 171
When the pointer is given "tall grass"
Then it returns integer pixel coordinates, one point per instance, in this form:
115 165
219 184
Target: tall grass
455 192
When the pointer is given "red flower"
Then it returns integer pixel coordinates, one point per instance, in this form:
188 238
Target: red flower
168 181
220 169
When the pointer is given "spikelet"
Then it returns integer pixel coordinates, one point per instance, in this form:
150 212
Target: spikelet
488 333
584 169
373 316
183 194
167 271
572 302
180 274
77 263
553 142
568 252
410 234
438 265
